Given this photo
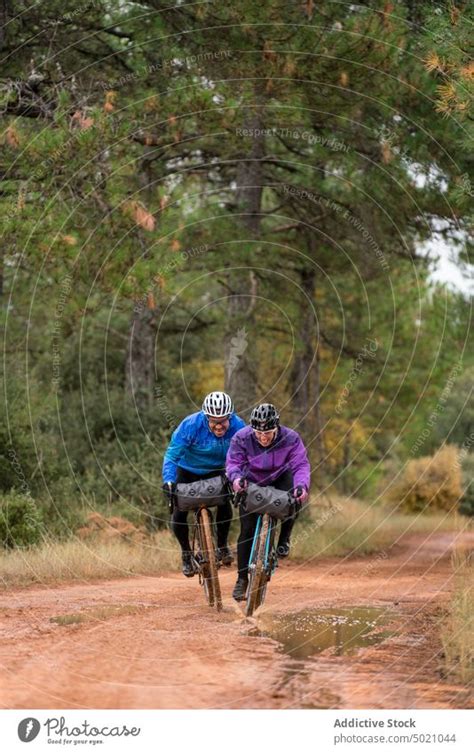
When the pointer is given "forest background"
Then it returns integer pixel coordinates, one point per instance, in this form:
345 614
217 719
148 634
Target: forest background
200 196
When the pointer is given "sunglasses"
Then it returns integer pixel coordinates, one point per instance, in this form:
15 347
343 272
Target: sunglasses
218 421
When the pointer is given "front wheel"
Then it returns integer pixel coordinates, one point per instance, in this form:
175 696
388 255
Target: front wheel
257 573
211 577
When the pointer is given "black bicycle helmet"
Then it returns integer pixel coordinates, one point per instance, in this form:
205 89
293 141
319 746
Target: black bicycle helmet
264 417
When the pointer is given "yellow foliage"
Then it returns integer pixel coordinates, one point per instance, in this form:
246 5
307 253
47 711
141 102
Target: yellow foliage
430 483
433 62
336 435
447 92
467 71
110 97
206 376
152 103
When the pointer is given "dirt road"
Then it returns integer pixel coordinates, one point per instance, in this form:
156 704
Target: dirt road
150 642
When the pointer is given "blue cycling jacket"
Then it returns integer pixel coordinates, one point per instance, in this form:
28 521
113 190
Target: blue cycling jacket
194 447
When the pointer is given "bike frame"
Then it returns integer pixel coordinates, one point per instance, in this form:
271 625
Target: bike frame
269 548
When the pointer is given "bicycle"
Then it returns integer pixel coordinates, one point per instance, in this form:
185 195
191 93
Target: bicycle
205 557
262 562
263 559
197 497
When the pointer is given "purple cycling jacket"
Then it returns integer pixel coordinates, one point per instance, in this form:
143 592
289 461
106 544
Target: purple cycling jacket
262 465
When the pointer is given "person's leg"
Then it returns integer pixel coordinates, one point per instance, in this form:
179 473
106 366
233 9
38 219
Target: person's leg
180 528
285 482
285 533
223 521
248 522
179 520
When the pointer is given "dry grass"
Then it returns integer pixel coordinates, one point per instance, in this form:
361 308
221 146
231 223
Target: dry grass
457 632
353 527
84 561
348 527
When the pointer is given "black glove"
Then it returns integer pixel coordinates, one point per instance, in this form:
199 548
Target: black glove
169 492
299 495
239 489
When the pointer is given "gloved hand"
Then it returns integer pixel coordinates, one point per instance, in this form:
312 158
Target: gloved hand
239 485
169 491
300 495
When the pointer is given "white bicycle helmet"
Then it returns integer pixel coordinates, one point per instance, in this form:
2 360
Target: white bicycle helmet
217 405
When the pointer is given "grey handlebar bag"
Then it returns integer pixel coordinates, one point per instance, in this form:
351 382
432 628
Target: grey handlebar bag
262 499
209 492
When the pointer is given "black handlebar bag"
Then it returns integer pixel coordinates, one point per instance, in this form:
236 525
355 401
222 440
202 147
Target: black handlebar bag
262 499
209 492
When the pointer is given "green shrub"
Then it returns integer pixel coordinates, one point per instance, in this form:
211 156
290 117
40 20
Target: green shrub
21 520
63 508
430 483
466 506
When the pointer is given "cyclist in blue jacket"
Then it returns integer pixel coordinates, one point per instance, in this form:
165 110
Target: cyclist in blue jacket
198 450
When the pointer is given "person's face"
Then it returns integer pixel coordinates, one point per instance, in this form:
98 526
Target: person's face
265 438
218 426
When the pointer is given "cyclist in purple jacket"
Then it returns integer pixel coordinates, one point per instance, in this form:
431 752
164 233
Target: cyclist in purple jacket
269 455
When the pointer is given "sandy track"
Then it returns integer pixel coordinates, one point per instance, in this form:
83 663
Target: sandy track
152 643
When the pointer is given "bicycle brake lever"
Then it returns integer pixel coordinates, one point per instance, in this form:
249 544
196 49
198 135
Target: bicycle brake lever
239 497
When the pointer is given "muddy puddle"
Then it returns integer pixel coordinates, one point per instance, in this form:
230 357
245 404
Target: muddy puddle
309 632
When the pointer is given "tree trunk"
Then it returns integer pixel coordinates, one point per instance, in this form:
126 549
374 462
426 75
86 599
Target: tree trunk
305 375
140 360
240 340
346 461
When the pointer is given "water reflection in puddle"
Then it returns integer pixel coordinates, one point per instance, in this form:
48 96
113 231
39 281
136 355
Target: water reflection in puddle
306 633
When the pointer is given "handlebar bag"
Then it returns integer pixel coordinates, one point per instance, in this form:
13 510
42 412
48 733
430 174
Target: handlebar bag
209 492
262 499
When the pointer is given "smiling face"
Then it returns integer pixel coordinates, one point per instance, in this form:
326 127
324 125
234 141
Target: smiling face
265 438
218 426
